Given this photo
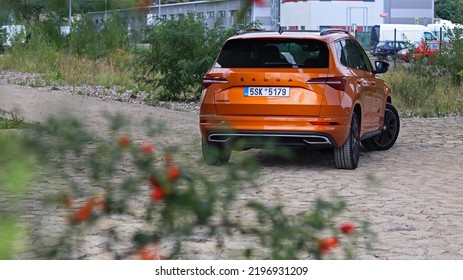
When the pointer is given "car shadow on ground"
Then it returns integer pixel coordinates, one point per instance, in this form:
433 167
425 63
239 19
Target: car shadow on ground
300 157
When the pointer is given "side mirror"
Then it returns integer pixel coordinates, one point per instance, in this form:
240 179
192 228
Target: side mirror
381 67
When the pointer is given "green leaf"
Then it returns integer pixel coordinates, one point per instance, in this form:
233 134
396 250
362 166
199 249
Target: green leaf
8 236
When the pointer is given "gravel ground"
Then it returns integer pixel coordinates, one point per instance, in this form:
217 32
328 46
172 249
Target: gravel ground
128 96
412 194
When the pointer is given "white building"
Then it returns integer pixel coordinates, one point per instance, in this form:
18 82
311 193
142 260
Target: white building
217 13
353 15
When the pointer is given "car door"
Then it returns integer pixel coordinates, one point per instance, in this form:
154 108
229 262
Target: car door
372 88
375 94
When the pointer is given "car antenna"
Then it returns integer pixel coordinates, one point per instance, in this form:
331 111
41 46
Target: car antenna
280 30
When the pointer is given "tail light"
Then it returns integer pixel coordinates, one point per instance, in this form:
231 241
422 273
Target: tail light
338 83
209 80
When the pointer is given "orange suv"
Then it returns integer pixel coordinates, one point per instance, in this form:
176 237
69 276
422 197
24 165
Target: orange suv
311 88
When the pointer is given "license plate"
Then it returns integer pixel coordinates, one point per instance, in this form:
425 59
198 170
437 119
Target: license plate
267 91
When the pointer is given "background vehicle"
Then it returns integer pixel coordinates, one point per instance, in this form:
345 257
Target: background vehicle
387 50
296 89
444 29
422 50
399 32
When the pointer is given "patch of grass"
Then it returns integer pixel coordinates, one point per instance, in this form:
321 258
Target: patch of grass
10 120
425 90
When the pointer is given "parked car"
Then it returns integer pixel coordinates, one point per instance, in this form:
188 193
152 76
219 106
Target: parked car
422 51
296 89
386 50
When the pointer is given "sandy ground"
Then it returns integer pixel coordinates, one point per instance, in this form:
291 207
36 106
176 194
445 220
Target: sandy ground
412 194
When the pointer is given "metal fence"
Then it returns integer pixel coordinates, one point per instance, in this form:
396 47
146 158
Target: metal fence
364 39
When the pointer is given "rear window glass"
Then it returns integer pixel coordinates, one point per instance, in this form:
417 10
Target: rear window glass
259 53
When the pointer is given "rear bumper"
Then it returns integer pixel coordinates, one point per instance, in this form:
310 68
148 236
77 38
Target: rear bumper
261 139
256 132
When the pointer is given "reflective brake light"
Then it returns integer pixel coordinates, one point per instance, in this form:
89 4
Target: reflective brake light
338 83
209 80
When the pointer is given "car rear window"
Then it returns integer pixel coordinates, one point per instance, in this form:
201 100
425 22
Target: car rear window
265 53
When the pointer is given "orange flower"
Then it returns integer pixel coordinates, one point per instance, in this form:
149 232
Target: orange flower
147 148
173 173
124 141
327 244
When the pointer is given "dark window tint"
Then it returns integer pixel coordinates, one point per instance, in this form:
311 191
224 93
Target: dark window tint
264 53
352 55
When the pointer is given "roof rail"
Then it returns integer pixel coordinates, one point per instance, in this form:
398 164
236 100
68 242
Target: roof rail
332 30
249 30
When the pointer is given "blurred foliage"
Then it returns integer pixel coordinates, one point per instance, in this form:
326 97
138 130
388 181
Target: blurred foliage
431 86
179 202
16 175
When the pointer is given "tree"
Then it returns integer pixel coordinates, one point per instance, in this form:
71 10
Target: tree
450 10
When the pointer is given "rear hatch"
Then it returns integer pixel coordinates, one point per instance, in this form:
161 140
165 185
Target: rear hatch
270 77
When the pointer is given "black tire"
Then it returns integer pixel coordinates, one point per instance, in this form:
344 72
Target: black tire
214 153
389 57
347 156
389 133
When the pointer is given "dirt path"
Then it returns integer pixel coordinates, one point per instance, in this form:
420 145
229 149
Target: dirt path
412 194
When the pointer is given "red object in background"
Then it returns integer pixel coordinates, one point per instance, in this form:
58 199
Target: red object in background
260 3
422 50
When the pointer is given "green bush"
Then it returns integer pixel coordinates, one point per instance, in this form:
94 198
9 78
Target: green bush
92 179
182 50
425 89
87 40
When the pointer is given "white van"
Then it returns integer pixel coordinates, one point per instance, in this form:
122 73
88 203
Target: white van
444 29
400 32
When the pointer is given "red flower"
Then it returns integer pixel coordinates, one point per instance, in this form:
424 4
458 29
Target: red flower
327 244
346 228
173 173
83 213
146 148
145 253
157 194
124 141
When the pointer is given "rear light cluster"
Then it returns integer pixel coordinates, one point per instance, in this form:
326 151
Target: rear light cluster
209 80
338 83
